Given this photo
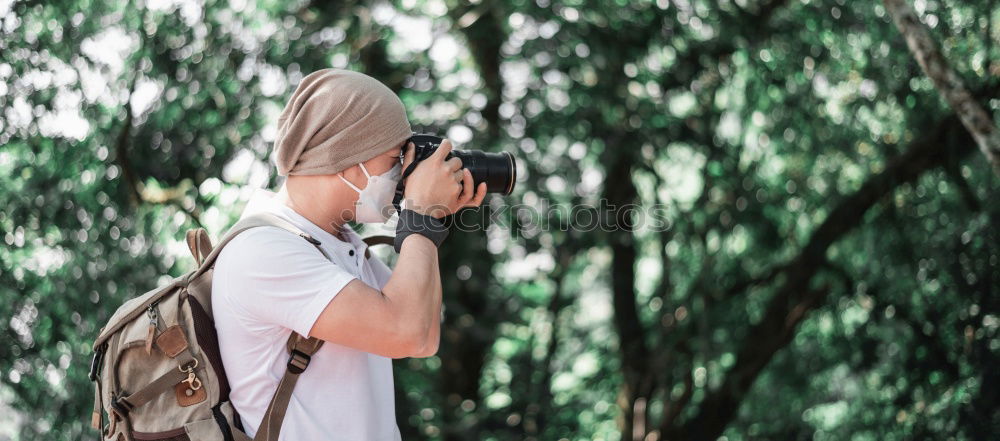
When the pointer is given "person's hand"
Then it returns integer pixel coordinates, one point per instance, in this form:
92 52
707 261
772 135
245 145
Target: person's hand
439 187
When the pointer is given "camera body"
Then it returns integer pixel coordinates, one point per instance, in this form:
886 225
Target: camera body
497 170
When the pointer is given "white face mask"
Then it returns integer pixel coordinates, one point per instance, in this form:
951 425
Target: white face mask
375 200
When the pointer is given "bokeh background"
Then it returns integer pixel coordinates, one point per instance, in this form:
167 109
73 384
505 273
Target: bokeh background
828 271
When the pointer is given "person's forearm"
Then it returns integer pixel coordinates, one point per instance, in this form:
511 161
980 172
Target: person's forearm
415 291
434 337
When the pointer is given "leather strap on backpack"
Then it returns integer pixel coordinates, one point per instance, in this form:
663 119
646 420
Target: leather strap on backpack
301 350
257 220
199 244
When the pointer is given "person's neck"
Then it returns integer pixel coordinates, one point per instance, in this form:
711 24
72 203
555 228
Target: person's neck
317 208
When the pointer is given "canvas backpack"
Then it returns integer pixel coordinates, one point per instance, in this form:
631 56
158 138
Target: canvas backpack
157 369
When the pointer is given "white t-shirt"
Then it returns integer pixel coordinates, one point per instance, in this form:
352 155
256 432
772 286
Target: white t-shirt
269 282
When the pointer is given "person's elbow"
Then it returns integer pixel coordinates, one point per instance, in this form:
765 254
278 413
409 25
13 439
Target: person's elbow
416 342
428 347
412 338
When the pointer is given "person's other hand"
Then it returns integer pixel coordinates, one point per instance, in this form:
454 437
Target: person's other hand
439 187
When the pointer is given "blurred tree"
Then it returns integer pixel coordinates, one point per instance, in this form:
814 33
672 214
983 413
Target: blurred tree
976 120
804 248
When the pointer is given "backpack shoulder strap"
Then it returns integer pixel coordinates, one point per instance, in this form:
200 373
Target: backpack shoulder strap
302 350
262 219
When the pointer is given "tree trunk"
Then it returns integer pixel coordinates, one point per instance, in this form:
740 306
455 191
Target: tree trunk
621 192
794 299
976 120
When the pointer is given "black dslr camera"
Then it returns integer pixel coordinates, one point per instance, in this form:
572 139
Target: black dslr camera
497 170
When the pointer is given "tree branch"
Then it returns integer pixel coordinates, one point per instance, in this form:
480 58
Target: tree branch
138 193
974 117
794 298
481 25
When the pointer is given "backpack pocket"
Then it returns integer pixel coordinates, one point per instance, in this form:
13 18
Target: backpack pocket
201 430
168 435
205 430
167 372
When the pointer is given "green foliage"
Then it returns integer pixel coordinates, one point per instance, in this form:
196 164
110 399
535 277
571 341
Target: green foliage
752 129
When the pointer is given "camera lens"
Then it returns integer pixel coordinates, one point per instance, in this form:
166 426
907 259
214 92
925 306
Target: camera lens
497 170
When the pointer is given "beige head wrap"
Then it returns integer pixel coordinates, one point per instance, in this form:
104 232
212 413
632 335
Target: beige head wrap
337 118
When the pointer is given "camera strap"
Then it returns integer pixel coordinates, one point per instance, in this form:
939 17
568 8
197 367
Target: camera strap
398 197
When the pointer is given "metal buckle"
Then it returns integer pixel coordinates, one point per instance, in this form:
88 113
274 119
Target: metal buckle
192 380
298 362
95 362
190 368
120 406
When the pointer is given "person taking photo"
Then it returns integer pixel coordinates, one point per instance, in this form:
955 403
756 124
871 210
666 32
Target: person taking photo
342 143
